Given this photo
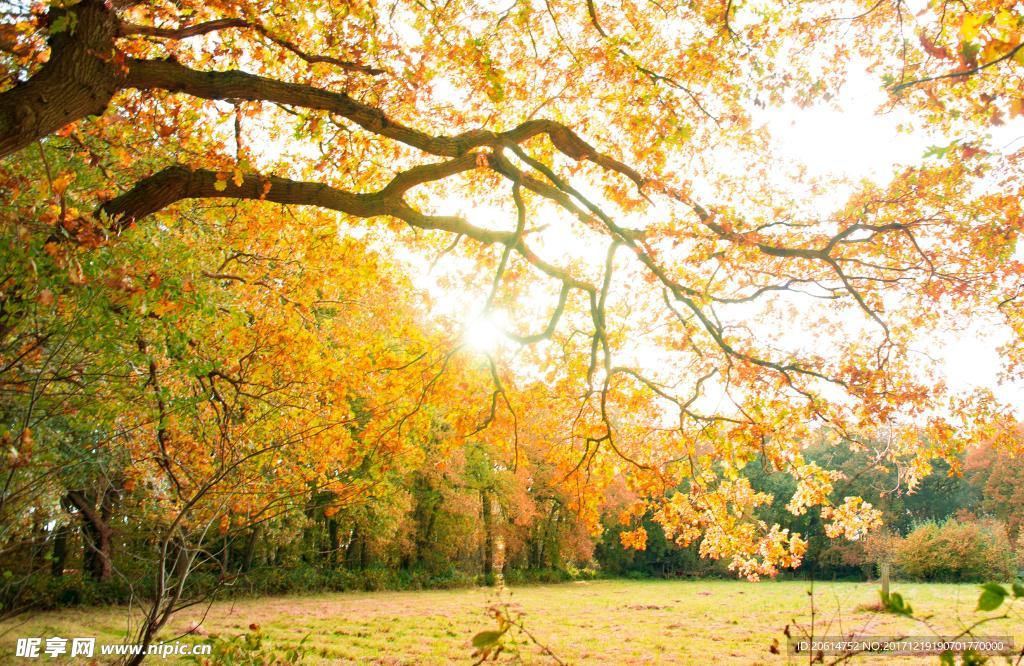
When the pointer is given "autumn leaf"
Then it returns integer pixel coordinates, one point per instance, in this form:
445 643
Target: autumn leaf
970 26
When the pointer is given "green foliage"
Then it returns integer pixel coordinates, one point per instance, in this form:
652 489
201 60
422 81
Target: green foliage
66 22
486 639
42 591
249 649
992 596
895 603
968 658
972 548
312 579
546 576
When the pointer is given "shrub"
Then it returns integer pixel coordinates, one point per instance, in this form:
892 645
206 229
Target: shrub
956 551
44 592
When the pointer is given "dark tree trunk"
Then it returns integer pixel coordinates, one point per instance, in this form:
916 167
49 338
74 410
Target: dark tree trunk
333 541
225 556
488 520
540 535
352 556
250 548
555 549
59 557
97 535
79 80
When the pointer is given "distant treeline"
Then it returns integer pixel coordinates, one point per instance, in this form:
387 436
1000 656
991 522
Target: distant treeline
462 520
963 525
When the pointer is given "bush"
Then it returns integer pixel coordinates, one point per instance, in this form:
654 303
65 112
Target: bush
44 592
956 551
535 576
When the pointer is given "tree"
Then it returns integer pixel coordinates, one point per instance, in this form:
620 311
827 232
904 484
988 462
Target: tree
999 479
589 121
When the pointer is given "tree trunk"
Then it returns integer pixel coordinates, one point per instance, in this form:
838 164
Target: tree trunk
352 556
250 548
425 534
97 535
59 557
79 79
333 541
225 556
488 520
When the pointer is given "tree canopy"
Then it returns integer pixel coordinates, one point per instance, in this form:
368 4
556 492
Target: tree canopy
243 242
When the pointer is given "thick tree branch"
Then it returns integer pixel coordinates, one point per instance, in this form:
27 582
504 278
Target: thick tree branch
175 77
184 32
176 183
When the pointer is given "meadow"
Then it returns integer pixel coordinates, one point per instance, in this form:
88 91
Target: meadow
592 622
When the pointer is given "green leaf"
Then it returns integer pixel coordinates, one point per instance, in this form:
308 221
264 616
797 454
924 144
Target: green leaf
66 21
972 658
894 603
947 658
486 638
940 151
992 596
1018 590
995 588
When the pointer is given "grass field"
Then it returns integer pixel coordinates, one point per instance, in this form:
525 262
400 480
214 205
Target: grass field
596 622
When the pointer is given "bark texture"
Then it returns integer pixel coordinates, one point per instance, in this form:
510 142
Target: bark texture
79 79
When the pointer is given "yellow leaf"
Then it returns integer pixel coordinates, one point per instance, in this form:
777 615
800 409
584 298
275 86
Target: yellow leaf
970 26
60 183
1006 20
238 177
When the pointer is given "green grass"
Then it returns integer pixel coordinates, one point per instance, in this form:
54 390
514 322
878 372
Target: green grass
595 622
